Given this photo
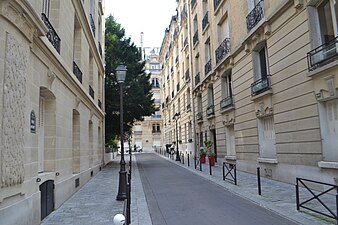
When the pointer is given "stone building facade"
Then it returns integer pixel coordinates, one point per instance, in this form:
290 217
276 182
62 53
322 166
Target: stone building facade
52 99
263 82
147 133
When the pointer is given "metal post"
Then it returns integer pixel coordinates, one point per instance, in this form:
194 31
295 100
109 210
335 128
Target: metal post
297 194
337 206
235 174
210 170
182 158
122 192
128 201
188 160
177 153
130 166
223 171
195 163
259 181
200 165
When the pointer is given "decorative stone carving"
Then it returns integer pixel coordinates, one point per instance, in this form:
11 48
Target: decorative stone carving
264 111
13 118
229 119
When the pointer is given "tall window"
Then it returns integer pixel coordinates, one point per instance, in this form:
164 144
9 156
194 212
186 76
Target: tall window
46 7
260 61
226 85
267 138
156 128
223 30
230 140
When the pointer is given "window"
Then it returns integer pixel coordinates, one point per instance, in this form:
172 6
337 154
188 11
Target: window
211 107
155 82
267 139
156 128
230 140
46 7
226 85
207 67
223 31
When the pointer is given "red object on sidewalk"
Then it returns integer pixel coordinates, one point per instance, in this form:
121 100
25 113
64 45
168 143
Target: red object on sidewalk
212 160
202 158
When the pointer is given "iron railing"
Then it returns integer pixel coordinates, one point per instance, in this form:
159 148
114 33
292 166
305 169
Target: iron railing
229 172
199 116
92 23
100 49
255 15
226 102
216 4
326 210
260 86
77 72
52 36
223 50
195 38
322 55
197 78
207 67
91 91
205 20
210 110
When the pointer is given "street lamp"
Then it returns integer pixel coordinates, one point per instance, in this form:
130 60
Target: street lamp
121 71
176 116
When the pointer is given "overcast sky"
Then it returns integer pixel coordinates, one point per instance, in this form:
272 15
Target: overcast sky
151 17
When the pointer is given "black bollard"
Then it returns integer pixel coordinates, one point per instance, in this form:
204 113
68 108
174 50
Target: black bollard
259 181
188 160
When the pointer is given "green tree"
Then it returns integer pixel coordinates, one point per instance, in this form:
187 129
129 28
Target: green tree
137 94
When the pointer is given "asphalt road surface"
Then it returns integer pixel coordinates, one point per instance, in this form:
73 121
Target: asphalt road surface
176 196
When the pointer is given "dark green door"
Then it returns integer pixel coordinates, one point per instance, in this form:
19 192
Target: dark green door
47 198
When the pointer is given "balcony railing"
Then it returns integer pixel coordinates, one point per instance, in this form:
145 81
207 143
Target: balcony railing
99 103
52 36
207 67
260 86
223 50
195 38
255 15
199 116
92 23
216 3
205 21
187 76
178 87
91 91
226 102
322 55
211 110
77 72
197 78
100 49
193 3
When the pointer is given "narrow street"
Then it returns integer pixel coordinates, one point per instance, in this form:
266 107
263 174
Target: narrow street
178 196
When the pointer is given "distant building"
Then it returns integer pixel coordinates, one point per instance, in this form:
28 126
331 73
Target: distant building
51 104
147 134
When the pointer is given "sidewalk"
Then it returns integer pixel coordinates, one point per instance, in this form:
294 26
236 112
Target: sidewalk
95 203
276 196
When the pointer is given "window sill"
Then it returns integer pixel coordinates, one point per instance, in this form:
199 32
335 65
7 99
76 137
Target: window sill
322 69
228 109
267 160
211 116
267 92
328 165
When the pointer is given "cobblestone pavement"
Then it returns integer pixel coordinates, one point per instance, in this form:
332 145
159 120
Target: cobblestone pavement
276 196
95 204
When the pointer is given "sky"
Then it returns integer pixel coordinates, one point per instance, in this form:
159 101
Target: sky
151 17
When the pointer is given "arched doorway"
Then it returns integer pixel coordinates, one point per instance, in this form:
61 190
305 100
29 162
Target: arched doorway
47 198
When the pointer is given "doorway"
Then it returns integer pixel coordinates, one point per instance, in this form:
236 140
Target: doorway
47 198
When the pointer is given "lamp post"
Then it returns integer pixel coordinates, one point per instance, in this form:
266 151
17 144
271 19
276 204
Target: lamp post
121 71
176 116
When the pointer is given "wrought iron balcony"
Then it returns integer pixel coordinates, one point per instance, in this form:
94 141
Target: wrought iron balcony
226 102
195 38
216 3
255 15
211 110
187 76
260 86
99 103
100 49
92 23
91 91
77 72
223 50
322 55
197 78
52 36
193 3
178 87
199 116
207 67
205 20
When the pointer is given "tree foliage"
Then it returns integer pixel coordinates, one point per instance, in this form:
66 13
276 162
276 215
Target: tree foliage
137 94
